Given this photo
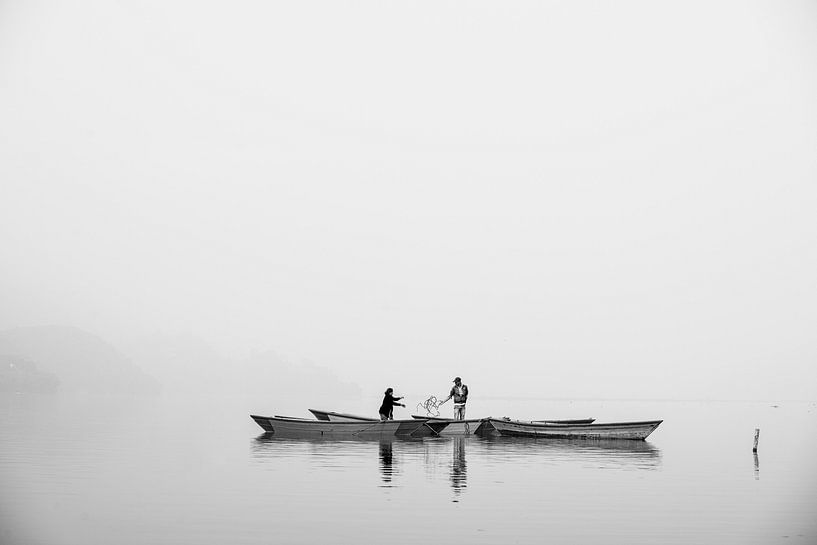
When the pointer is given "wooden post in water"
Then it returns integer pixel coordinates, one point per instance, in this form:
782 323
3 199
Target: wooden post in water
757 436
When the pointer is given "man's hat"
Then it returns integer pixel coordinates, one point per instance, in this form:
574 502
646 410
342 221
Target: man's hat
457 379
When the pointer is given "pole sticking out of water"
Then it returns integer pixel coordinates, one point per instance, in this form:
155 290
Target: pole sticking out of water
757 467
757 436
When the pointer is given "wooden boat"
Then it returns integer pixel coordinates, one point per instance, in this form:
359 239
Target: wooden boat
341 417
302 427
455 427
615 430
472 426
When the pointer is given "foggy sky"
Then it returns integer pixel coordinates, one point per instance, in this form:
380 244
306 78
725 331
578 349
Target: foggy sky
545 198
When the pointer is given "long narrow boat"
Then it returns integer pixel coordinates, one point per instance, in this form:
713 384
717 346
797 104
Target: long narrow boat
614 430
452 427
301 427
472 426
330 416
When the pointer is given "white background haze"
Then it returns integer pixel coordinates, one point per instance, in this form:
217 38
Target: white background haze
552 199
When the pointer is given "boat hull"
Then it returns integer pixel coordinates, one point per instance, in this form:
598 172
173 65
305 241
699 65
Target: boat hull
635 431
455 427
473 426
299 427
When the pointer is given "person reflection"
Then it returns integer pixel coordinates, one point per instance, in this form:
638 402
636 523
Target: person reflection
386 470
458 466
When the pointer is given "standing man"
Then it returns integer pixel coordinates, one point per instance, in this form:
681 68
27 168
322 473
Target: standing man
460 394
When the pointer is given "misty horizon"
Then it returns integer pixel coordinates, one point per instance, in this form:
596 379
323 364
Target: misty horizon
174 363
585 202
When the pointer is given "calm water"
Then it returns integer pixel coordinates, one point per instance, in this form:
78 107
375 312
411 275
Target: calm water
152 471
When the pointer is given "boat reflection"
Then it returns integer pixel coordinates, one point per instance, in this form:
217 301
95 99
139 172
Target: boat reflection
332 453
268 443
449 455
600 453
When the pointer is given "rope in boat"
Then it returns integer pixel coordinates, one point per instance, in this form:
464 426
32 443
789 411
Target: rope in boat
367 428
431 406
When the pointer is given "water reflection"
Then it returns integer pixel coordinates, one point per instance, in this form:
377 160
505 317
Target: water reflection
268 445
332 453
458 465
612 454
450 455
386 461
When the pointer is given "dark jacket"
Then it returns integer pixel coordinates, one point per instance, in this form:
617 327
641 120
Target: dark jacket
389 401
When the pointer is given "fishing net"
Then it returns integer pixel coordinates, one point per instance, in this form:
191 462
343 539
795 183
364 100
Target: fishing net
431 406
